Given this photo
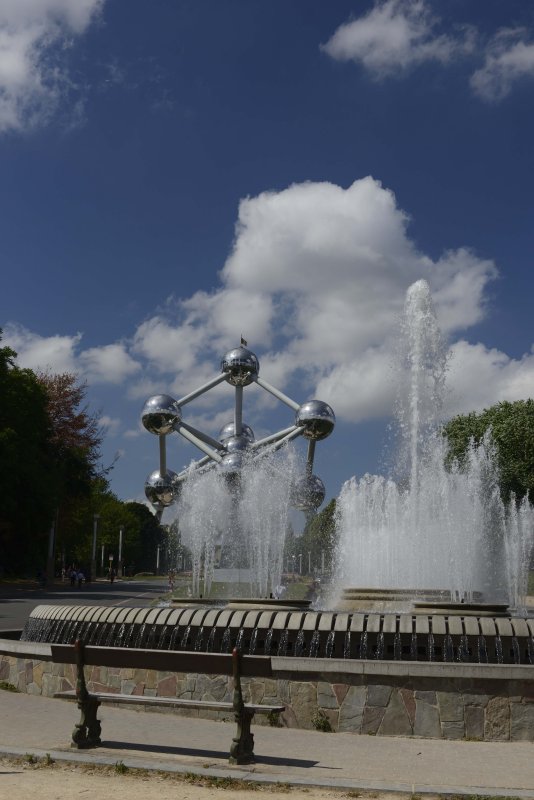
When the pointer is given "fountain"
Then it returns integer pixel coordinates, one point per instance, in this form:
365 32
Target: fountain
430 635
441 528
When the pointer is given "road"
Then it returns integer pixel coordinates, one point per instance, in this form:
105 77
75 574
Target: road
18 600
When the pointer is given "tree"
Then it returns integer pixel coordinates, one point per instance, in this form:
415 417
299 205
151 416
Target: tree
151 535
512 430
26 484
319 537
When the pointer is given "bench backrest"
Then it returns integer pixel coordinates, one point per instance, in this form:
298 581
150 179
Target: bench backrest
164 660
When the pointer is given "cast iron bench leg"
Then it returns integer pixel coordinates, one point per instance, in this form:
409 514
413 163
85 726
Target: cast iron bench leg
87 731
242 749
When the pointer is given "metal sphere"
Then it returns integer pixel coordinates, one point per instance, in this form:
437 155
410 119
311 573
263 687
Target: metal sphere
308 493
236 443
240 365
162 491
160 414
228 430
317 419
231 463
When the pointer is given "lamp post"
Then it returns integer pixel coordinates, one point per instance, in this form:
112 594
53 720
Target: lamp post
300 563
119 563
157 559
102 561
96 517
309 562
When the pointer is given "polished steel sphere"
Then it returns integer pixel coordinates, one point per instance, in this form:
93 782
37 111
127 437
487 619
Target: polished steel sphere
317 419
307 493
236 443
162 490
231 463
160 414
228 431
240 365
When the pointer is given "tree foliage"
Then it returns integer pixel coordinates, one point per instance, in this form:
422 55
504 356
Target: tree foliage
319 538
26 482
512 430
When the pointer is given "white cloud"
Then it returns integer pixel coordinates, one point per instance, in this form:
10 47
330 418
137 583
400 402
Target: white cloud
327 268
509 58
111 425
315 281
480 377
54 353
34 39
395 35
107 364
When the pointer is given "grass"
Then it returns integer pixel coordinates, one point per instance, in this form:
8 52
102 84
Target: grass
320 721
8 687
530 589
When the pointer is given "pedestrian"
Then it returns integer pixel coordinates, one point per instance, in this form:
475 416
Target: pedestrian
80 578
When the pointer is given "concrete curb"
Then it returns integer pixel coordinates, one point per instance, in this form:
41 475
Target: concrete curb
247 774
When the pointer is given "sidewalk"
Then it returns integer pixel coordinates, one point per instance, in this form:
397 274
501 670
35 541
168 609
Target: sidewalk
151 740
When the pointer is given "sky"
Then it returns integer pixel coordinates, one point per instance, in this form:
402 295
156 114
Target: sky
177 174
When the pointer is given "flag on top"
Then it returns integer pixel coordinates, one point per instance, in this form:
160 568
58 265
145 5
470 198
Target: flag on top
244 342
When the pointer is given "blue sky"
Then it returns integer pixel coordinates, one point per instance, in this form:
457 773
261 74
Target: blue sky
178 174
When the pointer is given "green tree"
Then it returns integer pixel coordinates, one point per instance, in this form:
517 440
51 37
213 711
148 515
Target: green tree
151 535
512 430
26 484
319 538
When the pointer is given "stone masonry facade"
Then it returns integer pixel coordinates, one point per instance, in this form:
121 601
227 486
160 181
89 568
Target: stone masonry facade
430 707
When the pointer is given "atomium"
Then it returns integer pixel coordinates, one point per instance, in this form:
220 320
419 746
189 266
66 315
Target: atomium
236 448
162 490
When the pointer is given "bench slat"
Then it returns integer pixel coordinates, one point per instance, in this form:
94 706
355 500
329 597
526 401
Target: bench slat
178 702
163 660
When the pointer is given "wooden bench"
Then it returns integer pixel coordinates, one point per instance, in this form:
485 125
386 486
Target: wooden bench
87 731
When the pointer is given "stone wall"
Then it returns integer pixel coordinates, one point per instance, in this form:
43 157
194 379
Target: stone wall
442 701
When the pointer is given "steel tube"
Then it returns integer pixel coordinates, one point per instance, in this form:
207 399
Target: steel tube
162 455
213 454
204 437
202 389
273 437
277 393
309 458
238 413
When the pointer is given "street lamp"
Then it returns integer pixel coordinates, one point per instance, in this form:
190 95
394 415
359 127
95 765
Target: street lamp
309 562
300 563
157 559
119 563
96 517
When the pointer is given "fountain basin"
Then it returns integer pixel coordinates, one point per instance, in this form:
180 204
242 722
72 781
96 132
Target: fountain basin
279 631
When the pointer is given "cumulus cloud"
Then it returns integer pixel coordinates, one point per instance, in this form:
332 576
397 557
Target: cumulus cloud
396 35
110 363
110 425
55 353
107 364
509 58
481 376
315 281
34 39
329 267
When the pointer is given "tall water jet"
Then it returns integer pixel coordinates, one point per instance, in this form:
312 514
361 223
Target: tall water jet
436 527
239 523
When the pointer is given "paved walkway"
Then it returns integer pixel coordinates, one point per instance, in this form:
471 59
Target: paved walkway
152 740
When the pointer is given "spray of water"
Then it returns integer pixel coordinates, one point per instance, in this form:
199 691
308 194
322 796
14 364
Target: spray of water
435 527
239 522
